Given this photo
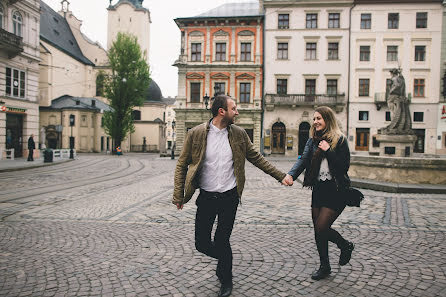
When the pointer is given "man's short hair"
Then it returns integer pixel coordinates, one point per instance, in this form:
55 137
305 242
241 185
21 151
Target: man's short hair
220 101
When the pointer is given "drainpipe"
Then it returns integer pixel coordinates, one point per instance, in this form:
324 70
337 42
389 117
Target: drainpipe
349 59
263 84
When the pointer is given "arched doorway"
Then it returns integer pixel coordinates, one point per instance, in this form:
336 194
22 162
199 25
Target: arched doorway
278 143
304 133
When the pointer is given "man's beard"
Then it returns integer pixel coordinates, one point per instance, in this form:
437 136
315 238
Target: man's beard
228 120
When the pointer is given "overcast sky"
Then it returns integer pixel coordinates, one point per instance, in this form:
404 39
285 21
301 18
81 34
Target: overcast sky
165 39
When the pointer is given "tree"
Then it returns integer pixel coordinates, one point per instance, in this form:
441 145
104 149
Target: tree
125 87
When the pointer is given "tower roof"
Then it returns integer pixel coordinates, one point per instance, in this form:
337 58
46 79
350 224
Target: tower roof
135 3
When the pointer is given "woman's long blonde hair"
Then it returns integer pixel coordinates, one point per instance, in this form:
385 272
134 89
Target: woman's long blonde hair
332 133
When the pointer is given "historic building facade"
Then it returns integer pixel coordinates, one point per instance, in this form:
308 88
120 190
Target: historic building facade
306 65
19 73
221 51
386 35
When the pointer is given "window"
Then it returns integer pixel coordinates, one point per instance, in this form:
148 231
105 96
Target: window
418 87
2 16
220 87
84 122
332 86
364 85
418 116
220 52
392 53
420 53
282 51
195 92
366 20
136 114
421 20
17 23
393 19
282 86
333 49
245 52
196 52
419 143
333 20
311 51
245 92
284 21
388 85
15 83
388 117
362 139
364 53
310 89
311 21
363 115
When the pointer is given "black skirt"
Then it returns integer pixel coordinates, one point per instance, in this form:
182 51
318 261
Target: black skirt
325 194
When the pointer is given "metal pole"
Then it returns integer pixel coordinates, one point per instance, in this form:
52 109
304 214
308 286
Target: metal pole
71 144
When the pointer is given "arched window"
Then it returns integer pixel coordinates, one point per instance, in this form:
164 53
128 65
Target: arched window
2 16
17 23
100 80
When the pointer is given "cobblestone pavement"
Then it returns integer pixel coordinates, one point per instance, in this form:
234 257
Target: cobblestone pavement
105 226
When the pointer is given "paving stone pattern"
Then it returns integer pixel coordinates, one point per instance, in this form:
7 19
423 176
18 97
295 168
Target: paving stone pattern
105 226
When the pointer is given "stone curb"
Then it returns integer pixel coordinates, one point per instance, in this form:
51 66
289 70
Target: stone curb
34 166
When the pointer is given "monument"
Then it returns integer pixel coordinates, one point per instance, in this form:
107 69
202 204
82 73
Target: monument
398 138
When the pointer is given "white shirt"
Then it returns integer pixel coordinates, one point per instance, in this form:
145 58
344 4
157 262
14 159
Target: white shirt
217 173
324 171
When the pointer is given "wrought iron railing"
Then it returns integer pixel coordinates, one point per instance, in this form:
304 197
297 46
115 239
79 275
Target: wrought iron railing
305 99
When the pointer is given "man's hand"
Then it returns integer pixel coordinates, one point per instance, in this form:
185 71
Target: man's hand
288 180
179 206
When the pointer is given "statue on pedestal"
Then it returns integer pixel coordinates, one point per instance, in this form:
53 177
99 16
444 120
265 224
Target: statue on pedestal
398 104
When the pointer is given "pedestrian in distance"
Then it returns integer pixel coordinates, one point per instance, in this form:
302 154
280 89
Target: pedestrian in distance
326 159
118 151
31 147
213 160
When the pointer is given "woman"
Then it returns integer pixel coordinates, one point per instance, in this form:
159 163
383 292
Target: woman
326 160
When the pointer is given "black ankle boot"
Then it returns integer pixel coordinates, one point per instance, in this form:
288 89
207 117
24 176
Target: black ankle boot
323 271
346 253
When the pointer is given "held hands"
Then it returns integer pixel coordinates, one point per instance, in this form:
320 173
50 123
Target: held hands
179 206
288 180
323 145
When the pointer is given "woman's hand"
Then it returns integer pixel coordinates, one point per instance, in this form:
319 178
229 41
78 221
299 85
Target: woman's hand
323 145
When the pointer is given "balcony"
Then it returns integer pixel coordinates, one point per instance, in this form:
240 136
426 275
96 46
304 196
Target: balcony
294 100
10 43
380 100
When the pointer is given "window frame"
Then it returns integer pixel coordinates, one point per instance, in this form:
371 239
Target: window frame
333 50
334 20
393 19
332 84
282 85
309 51
195 93
21 83
17 23
282 52
422 20
364 53
220 84
366 21
2 16
420 54
392 53
311 21
419 87
283 23
245 92
363 116
220 51
194 52
362 85
245 56
418 116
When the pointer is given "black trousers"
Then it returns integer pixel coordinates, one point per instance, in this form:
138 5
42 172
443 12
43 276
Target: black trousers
30 155
223 206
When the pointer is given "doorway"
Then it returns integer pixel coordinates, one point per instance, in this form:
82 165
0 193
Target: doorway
14 133
278 143
304 134
362 139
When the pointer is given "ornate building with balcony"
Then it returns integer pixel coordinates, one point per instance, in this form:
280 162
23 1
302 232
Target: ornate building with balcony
306 65
221 51
403 34
19 73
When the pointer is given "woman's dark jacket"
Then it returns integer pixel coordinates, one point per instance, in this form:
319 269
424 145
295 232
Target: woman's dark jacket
338 162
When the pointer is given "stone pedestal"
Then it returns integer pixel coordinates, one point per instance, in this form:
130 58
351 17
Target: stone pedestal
396 145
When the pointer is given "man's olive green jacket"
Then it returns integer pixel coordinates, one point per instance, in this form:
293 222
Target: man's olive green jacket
192 155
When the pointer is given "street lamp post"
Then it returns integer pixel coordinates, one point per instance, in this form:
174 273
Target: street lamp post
208 100
71 137
173 141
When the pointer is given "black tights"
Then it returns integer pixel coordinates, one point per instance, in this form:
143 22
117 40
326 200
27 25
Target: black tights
323 218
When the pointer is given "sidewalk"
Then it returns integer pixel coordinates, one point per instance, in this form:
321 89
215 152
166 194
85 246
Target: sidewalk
22 163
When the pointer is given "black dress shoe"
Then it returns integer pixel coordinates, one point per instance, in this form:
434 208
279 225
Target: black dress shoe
346 253
322 272
225 290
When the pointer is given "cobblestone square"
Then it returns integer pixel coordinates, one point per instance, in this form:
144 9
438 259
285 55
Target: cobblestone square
105 226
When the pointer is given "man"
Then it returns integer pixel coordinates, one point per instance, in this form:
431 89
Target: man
31 147
213 159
